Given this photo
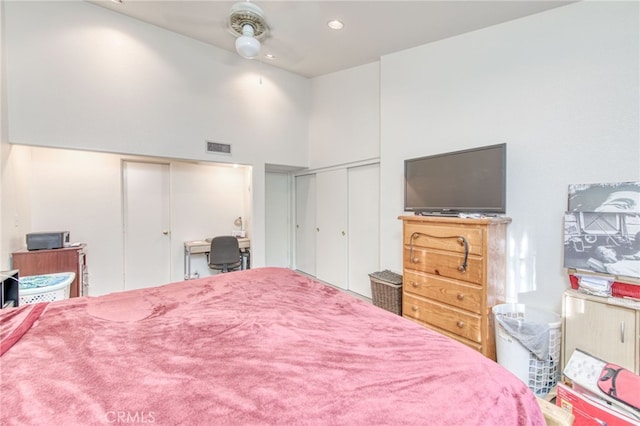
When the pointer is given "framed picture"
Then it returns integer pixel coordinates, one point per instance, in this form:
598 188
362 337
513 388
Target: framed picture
623 197
603 242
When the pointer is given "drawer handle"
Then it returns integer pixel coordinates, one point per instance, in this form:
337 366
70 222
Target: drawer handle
460 239
460 324
414 284
414 308
460 296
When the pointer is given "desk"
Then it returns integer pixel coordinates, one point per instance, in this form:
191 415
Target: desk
203 247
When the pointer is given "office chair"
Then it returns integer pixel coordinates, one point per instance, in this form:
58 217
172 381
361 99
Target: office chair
224 254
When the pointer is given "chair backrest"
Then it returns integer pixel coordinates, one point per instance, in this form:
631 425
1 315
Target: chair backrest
224 253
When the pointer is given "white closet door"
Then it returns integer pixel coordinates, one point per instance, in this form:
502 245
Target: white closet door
147 235
364 222
277 208
331 238
306 224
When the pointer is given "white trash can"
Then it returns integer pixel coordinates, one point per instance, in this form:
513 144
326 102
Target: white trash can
514 323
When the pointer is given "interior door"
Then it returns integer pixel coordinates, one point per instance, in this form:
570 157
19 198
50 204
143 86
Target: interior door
306 224
331 228
277 215
147 236
364 222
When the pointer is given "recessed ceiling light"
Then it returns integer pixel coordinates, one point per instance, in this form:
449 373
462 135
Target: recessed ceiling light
270 56
335 24
117 1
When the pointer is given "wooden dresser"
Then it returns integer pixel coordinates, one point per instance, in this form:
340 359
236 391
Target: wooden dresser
68 259
454 272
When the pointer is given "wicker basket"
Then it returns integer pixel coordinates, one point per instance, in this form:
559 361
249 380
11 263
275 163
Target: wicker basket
386 290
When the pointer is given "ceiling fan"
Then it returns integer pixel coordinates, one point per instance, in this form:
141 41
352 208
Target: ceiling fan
247 22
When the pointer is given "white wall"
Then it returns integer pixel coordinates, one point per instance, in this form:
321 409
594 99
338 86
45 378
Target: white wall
85 77
560 88
344 123
80 76
14 186
15 201
344 131
81 192
4 137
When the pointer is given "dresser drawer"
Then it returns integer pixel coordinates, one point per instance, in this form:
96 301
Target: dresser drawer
456 321
444 264
473 345
460 295
444 237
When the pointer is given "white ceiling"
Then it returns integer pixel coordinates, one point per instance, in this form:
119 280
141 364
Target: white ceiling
303 44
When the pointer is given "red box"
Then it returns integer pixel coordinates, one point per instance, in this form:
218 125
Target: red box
588 411
618 289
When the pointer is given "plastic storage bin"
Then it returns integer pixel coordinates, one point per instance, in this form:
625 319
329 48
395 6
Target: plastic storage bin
528 345
386 290
45 288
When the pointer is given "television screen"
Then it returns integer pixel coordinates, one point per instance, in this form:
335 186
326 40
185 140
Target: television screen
469 181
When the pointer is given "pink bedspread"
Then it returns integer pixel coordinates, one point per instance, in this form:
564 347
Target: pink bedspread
264 346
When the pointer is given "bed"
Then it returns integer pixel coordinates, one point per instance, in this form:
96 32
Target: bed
264 346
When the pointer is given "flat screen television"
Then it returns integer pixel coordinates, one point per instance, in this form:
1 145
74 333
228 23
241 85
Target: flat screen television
469 181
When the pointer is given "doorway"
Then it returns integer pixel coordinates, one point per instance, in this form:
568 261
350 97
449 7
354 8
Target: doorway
147 224
277 220
305 193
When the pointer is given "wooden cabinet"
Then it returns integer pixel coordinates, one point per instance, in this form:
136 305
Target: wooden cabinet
606 328
68 259
454 272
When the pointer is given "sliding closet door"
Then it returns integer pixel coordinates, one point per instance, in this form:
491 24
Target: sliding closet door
306 223
331 220
146 213
337 226
364 222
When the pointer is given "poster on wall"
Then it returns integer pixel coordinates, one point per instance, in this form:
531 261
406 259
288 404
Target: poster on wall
621 197
602 228
603 242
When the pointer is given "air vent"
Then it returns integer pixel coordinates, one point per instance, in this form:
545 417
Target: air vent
218 148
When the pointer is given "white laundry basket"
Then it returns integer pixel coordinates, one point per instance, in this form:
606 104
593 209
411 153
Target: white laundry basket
45 288
540 375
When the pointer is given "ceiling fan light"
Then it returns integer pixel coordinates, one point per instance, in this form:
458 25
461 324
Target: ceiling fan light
247 45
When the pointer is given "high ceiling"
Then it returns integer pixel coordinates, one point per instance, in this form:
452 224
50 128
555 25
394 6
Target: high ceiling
300 40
